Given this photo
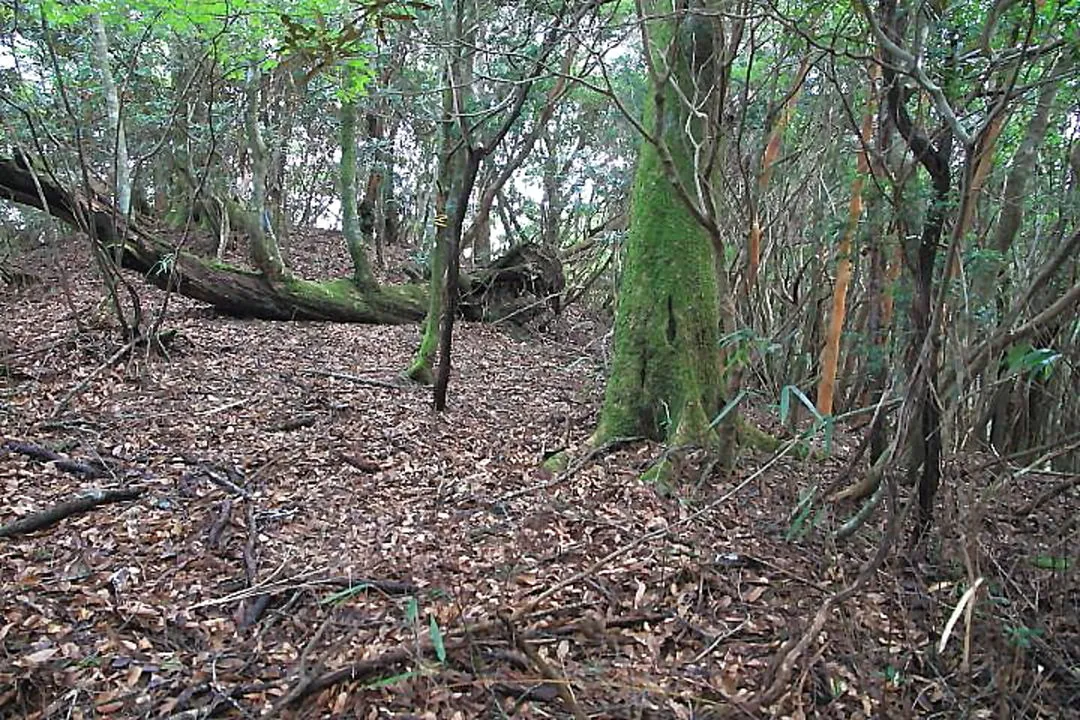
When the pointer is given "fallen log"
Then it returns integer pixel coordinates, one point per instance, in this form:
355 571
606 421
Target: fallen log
84 503
244 293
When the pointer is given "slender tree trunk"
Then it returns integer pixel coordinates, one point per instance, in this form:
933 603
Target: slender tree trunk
447 191
456 212
121 164
265 253
831 353
769 156
350 222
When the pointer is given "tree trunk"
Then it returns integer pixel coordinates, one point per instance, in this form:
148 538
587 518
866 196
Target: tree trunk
667 380
265 253
350 221
830 354
122 177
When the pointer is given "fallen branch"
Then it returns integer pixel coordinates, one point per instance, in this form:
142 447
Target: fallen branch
37 452
361 380
214 539
226 478
250 612
562 687
792 650
56 513
609 446
393 660
1053 492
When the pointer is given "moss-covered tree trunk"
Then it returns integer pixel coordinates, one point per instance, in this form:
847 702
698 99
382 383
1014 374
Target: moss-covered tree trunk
667 381
451 198
451 192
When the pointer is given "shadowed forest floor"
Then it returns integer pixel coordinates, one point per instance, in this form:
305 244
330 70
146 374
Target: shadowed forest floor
306 512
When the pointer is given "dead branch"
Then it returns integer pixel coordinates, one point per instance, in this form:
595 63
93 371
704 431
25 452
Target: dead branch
562 687
251 609
791 651
226 478
394 660
1045 497
213 540
360 380
89 470
81 387
599 451
56 513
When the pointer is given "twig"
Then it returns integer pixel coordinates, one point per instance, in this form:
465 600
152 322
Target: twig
1053 492
305 677
359 380
214 538
78 389
56 513
250 611
617 552
791 651
565 475
562 687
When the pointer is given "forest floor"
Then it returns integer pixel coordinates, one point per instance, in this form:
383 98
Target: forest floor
311 540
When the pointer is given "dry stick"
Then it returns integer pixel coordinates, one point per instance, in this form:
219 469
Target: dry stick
307 580
78 389
794 649
375 667
562 687
214 538
56 513
250 612
1050 494
1057 489
592 569
359 380
37 452
304 677
573 469
370 669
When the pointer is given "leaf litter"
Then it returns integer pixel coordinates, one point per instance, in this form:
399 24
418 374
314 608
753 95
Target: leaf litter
313 541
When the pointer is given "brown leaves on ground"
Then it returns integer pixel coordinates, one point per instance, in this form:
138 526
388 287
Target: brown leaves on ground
312 546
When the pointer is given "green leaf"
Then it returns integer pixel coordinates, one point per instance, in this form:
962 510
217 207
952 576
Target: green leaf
436 639
727 409
388 681
412 610
1047 562
342 595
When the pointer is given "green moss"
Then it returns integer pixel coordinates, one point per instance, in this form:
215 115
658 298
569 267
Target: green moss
558 462
666 380
419 369
662 477
340 290
754 437
228 267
